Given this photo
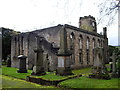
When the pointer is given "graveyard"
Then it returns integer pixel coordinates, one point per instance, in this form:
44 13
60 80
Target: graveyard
80 78
99 75
76 82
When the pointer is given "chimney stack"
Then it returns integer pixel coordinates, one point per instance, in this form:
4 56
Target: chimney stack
105 32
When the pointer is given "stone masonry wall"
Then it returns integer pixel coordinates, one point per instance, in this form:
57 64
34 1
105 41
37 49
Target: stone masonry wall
76 43
25 44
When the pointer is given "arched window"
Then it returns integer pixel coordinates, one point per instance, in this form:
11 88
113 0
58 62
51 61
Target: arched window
15 46
22 45
72 47
72 37
93 43
88 42
93 48
80 49
80 42
98 43
18 45
87 50
101 43
93 23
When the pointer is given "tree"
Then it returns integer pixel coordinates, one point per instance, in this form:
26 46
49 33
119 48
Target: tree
6 41
108 10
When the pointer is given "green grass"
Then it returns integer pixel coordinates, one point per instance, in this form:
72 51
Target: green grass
81 82
51 76
9 82
84 82
10 71
108 67
0 81
117 46
83 71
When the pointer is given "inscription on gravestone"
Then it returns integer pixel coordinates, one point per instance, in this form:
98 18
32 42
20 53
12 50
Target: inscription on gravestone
61 62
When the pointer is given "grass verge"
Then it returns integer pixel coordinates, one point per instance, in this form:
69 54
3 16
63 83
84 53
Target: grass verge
84 82
53 77
83 71
11 71
9 82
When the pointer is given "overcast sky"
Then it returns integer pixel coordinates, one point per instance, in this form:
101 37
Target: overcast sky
28 15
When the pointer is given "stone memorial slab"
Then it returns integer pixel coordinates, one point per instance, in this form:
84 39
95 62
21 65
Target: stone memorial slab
114 65
38 64
63 67
8 61
99 70
60 61
22 64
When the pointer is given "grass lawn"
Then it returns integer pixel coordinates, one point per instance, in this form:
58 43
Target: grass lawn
81 82
117 46
83 71
10 71
9 82
51 76
84 82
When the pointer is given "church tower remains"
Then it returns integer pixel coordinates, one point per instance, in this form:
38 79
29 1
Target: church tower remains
88 23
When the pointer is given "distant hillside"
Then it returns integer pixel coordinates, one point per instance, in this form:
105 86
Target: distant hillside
117 46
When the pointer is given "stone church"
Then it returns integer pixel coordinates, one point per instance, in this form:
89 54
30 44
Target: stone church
81 41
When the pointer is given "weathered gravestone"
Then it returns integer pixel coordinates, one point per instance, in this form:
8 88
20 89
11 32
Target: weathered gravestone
114 65
46 62
22 64
110 63
38 64
8 61
63 55
99 69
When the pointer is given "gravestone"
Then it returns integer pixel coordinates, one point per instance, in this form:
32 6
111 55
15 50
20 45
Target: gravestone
99 69
8 61
114 65
38 68
46 62
63 55
110 63
22 64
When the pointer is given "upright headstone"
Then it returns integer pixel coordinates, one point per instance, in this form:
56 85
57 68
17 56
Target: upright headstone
46 62
113 57
114 66
99 69
38 68
110 63
63 55
8 61
22 64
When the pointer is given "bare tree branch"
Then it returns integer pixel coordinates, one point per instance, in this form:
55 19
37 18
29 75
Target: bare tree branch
108 11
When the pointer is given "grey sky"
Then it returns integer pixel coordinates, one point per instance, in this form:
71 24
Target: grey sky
28 15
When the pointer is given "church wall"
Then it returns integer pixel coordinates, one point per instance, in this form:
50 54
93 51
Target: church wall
51 34
49 56
27 42
77 34
13 52
31 46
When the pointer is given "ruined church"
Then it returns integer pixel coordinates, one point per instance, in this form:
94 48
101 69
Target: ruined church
80 41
